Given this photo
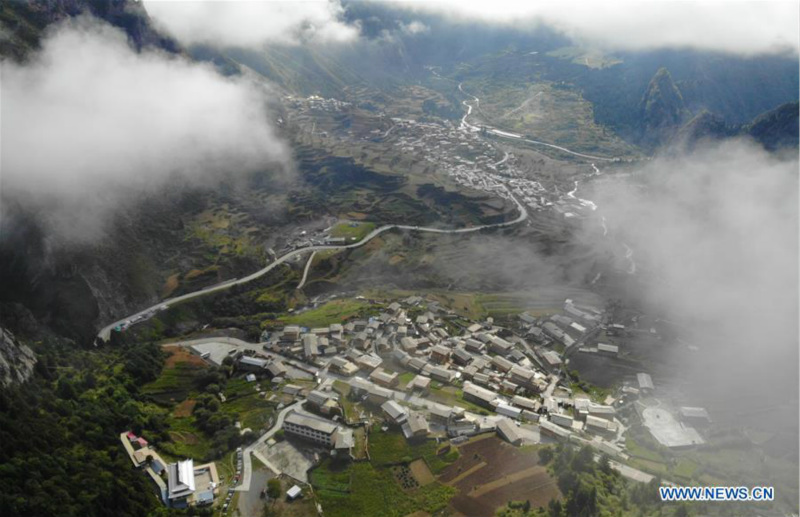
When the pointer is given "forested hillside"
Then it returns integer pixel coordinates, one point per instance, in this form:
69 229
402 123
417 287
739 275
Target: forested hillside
60 452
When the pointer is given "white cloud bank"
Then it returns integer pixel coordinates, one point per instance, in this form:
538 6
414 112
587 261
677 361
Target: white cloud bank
744 27
89 122
251 23
741 26
715 234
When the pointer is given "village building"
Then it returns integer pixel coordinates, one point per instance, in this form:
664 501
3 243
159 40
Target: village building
469 372
251 364
481 379
600 425
408 344
294 492
562 420
645 382
509 432
316 430
180 480
480 396
551 358
343 366
395 413
440 354
461 356
550 429
383 378
291 333
537 334
419 383
417 364
368 362
516 356
577 327
473 345
526 403
507 386
440 415
695 416
360 341
522 376
500 346
553 331
277 369
378 395
607 349
509 411
310 348
501 363
415 426
443 374
324 402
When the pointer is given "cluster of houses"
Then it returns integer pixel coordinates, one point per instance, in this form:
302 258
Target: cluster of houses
508 383
471 159
492 368
577 326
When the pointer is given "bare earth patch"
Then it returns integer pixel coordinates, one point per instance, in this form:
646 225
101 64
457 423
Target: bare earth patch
170 285
187 438
184 409
489 473
506 480
179 354
421 472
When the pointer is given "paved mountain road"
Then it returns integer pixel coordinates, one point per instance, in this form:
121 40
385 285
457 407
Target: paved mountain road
143 315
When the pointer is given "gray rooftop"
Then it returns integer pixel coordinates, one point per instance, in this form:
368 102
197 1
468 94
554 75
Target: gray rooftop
318 424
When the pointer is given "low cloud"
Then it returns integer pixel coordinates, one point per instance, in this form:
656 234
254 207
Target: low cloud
744 27
237 23
414 27
88 123
715 239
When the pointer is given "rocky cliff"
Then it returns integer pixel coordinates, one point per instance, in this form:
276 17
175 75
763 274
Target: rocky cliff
16 360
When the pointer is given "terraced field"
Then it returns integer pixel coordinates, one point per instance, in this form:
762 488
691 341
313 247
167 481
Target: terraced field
178 378
490 472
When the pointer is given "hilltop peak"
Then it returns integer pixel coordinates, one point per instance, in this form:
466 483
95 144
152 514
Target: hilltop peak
662 108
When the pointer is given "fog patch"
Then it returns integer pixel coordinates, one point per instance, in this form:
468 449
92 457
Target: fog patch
715 235
748 27
89 125
252 24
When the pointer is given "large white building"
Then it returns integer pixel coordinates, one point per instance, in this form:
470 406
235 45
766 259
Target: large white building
313 429
180 480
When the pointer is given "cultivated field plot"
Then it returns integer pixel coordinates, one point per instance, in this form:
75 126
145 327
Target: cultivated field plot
421 472
179 376
490 472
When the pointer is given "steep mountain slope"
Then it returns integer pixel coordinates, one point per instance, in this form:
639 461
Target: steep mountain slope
662 109
703 126
776 129
733 87
23 22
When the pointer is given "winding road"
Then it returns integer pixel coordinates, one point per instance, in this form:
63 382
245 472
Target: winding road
519 138
464 123
251 449
143 315
305 270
